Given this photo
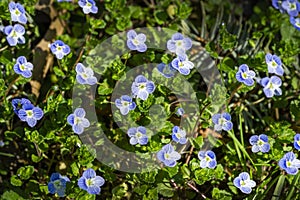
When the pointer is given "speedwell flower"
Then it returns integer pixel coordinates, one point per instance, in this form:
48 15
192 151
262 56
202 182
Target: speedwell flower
295 22
168 155
23 67
78 120
18 103
85 75
60 49
179 44
292 7
179 135
137 135
125 104
90 182
166 70
15 34
88 6
259 143
271 86
274 64
58 184
222 121
142 87
180 111
297 141
182 64
17 12
30 114
207 159
289 163
136 41
244 183
244 75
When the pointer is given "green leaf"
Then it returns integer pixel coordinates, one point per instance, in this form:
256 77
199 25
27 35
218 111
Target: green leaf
58 72
164 190
151 195
11 195
25 172
35 158
104 88
141 189
14 180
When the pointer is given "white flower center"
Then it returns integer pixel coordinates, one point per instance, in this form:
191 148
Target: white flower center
298 142
22 67
167 156
244 75
138 134
77 120
57 184
17 12
58 48
29 113
274 64
179 43
89 182
178 135
135 41
292 6
207 158
142 86
242 183
288 163
14 33
260 142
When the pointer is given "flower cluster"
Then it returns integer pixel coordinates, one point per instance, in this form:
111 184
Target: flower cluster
89 181
15 33
26 111
271 84
292 8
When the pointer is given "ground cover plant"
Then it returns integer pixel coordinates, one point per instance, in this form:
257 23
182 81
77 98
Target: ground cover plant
170 99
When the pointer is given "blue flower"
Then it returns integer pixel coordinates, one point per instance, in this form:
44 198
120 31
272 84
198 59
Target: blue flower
182 64
180 111
297 141
179 135
292 7
244 75
259 143
166 70
23 67
274 64
64 0
57 184
207 159
88 6
271 86
136 41
15 34
222 121
244 183
295 22
85 75
17 12
18 103
60 49
168 155
289 163
141 87
91 182
137 135
125 104
2 143
30 114
179 44
78 120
